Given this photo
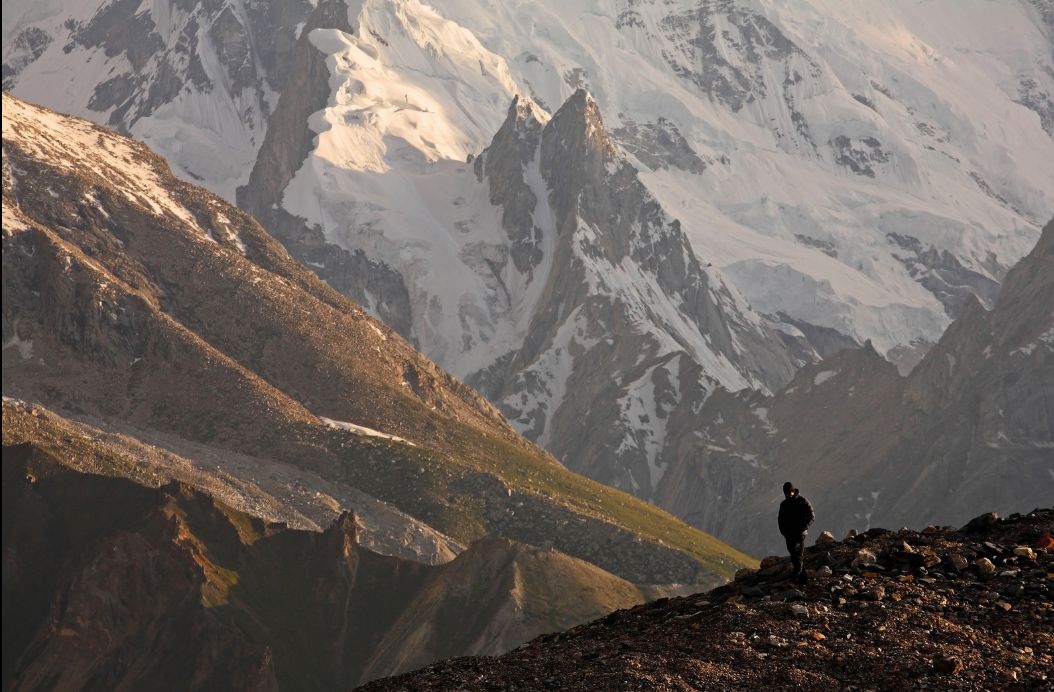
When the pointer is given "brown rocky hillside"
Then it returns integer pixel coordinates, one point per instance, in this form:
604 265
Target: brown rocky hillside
936 609
112 585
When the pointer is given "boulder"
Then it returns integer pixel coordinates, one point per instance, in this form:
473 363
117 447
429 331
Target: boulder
770 561
948 665
1025 552
863 558
982 522
984 567
876 593
825 537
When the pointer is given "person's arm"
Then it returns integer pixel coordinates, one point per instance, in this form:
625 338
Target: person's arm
783 518
810 515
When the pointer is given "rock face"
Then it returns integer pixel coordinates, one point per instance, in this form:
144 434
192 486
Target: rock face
628 329
106 581
969 427
287 145
893 624
144 306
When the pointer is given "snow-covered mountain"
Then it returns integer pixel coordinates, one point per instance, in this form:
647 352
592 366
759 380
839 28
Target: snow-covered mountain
855 165
625 325
541 269
851 164
840 170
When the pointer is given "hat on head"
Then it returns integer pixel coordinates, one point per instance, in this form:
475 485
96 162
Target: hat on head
788 488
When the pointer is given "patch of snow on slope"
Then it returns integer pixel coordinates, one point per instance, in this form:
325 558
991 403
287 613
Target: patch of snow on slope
823 376
646 417
1046 339
762 414
547 377
361 430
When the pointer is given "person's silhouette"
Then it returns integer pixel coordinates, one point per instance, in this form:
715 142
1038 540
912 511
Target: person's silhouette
796 515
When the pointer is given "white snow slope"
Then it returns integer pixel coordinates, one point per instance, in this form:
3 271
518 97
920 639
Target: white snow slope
820 129
936 83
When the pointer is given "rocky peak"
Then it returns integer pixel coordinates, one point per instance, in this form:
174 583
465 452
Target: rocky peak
342 534
519 134
578 124
622 292
1021 325
860 362
961 350
505 163
576 152
1026 302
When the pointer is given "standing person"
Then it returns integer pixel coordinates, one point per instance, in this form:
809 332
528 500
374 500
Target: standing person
796 515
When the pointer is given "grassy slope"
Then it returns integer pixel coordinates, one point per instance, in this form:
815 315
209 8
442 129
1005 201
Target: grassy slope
420 481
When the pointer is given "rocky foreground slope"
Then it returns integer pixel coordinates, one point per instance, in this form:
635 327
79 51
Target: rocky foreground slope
112 585
971 608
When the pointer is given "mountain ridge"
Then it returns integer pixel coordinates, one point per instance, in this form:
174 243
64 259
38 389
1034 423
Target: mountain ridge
227 599
232 348
845 172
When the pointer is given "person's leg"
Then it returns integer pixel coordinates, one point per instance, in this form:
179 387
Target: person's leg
799 558
795 556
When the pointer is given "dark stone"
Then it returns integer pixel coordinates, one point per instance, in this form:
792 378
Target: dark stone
948 665
982 522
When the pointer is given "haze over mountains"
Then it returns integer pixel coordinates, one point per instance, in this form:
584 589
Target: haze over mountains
427 264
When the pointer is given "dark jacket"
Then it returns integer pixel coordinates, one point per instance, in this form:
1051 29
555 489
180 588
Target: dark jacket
796 516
